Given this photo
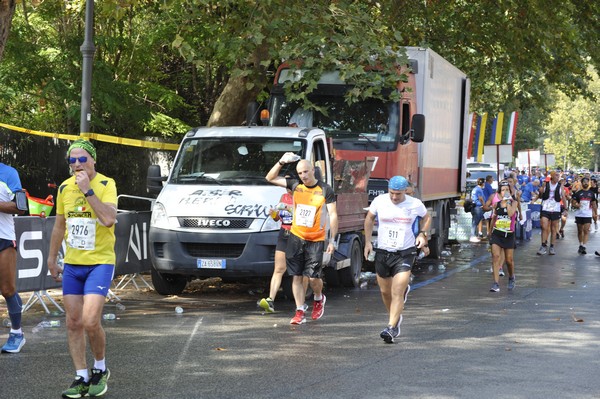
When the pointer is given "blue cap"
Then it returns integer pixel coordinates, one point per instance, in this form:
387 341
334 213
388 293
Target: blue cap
398 183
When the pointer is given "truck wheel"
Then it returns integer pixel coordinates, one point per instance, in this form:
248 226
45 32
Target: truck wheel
350 276
168 284
438 242
331 277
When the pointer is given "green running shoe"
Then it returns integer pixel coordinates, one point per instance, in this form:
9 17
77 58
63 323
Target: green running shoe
98 385
78 389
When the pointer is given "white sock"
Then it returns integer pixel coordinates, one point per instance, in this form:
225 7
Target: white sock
100 364
84 373
318 298
19 331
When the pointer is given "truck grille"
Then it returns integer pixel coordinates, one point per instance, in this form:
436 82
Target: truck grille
216 223
214 251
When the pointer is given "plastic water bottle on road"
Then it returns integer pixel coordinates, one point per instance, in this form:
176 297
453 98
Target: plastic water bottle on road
45 324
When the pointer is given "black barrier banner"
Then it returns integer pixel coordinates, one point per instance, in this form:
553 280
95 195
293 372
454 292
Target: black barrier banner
33 243
131 246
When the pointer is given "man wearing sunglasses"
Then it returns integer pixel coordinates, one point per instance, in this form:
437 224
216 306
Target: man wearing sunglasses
86 211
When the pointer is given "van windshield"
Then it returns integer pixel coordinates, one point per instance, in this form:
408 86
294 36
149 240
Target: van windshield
236 160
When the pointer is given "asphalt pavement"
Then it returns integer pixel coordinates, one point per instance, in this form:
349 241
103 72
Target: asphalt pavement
458 340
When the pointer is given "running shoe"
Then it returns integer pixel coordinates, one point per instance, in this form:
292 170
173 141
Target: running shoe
562 233
552 251
583 250
14 344
474 239
501 272
580 249
389 333
318 308
558 236
97 385
406 293
298 318
596 227
267 305
78 389
495 288
511 283
542 250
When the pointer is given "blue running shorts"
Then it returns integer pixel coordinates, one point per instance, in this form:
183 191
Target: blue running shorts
84 280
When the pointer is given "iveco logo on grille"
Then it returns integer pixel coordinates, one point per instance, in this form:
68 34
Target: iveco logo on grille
214 222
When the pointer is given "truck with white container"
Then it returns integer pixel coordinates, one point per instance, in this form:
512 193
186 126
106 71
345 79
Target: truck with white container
211 217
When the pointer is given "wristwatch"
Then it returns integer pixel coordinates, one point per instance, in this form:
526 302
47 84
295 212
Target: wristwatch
89 193
424 233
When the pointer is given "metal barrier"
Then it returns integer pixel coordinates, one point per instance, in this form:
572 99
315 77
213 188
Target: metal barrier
33 244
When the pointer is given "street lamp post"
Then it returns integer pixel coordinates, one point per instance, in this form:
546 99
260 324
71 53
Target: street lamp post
87 50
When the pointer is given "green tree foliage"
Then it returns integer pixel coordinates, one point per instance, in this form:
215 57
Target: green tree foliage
572 126
249 39
161 66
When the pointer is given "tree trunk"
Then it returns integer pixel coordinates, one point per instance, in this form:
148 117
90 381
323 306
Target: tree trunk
7 10
230 107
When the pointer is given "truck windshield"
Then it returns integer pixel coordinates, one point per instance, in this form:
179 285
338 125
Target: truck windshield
222 160
369 120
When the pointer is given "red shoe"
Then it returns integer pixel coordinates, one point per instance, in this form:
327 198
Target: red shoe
298 318
319 308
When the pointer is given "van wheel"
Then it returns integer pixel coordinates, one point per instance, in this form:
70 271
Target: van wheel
350 276
168 284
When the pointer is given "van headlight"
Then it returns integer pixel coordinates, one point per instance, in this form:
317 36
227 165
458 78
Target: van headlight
270 224
159 216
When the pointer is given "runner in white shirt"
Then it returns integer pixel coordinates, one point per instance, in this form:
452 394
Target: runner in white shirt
551 193
585 202
396 247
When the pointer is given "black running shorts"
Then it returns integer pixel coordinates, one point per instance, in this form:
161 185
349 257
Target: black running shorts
304 258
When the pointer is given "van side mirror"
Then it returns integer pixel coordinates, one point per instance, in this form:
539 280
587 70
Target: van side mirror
154 180
251 113
417 128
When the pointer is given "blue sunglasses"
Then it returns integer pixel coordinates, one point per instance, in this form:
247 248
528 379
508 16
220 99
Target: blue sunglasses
72 160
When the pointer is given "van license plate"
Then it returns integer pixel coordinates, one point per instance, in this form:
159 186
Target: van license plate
211 263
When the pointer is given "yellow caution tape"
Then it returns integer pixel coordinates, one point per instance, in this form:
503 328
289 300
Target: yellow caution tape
98 137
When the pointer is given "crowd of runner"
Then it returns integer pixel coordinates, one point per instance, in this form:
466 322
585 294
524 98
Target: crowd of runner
500 212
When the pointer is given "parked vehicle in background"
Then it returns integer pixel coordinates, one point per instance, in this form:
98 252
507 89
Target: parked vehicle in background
480 171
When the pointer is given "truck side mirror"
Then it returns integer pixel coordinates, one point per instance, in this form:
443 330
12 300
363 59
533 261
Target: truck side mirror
417 131
154 180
